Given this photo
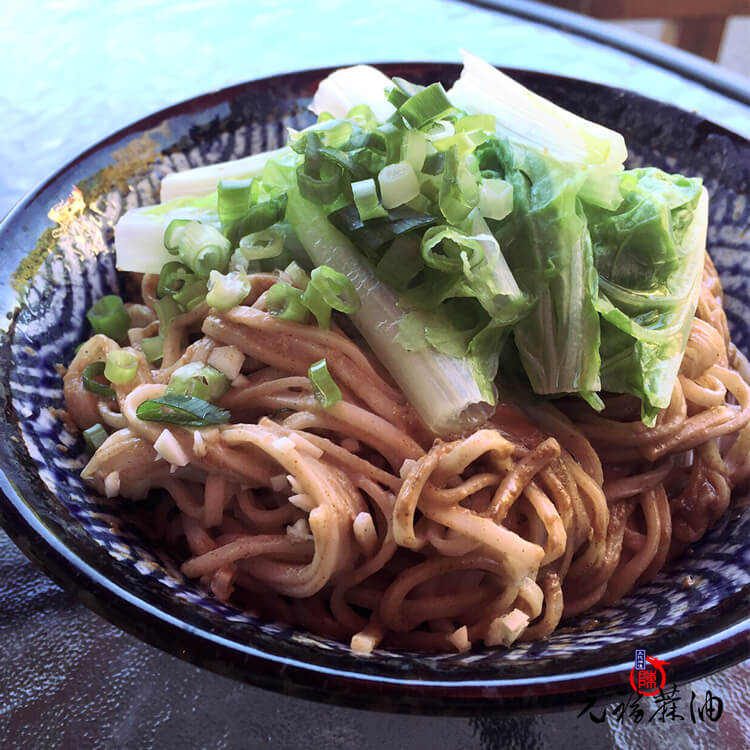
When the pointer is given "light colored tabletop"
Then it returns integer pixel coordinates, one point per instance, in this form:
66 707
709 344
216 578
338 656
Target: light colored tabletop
76 71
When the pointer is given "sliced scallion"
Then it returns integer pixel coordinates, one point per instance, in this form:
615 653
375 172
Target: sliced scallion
189 411
233 200
191 295
433 163
268 243
312 299
363 116
258 217
297 275
473 123
199 380
414 149
202 247
226 291
495 198
173 233
121 367
95 369
109 316
366 200
425 106
153 348
285 302
93 437
324 386
321 188
167 310
172 277
336 289
398 184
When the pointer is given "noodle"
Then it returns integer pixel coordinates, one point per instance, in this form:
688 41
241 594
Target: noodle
354 523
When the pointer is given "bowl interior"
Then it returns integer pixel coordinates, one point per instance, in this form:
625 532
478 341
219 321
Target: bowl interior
74 264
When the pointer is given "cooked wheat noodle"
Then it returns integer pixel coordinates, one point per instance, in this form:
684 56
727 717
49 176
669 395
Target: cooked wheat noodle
355 523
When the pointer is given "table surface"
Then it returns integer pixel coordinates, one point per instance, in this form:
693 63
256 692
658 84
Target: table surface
78 71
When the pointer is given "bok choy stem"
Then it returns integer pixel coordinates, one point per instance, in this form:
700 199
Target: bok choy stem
442 389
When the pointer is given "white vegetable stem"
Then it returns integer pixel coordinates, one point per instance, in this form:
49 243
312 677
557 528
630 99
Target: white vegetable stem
203 180
347 87
442 389
530 120
139 234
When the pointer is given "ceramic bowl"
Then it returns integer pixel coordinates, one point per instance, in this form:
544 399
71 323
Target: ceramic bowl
88 545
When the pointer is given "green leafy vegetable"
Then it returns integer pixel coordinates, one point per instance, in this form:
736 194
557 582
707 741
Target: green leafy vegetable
649 255
187 411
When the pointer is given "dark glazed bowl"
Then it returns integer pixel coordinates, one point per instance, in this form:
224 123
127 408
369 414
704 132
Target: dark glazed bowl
86 545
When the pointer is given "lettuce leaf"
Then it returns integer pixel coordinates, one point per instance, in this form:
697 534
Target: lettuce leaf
649 256
547 245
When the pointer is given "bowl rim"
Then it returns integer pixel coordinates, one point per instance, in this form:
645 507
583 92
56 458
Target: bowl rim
721 639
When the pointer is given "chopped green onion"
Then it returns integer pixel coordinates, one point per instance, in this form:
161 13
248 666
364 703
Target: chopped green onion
396 96
368 160
121 367
226 291
446 249
441 130
376 233
335 132
392 133
297 275
431 103
414 149
366 200
336 289
268 243
324 386
407 87
93 437
465 143
173 233
167 310
233 200
153 348
95 369
363 116
199 380
285 302
202 247
189 411
421 204
434 163
474 123
172 277
401 263
258 217
312 299
108 315
398 184
191 295
495 198
320 189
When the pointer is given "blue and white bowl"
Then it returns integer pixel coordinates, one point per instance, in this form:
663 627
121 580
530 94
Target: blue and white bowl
89 544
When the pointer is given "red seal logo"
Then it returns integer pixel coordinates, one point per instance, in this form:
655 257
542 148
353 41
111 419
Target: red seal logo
649 681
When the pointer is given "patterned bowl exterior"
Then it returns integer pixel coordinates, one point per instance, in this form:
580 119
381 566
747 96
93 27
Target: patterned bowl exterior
112 564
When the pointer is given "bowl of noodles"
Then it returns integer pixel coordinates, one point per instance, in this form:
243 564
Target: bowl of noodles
449 425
